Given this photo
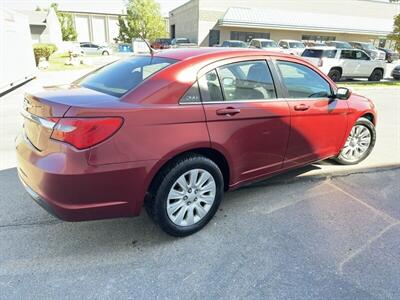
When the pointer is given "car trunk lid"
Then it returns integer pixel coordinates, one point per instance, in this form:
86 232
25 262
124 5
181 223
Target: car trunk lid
41 111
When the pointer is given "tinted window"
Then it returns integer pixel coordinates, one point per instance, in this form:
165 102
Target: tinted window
192 95
302 82
361 55
118 78
210 88
319 53
347 54
246 81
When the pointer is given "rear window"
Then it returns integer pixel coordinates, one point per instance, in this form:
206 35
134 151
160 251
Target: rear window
319 53
122 76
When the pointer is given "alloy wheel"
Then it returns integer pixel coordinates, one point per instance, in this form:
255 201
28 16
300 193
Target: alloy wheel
191 197
357 143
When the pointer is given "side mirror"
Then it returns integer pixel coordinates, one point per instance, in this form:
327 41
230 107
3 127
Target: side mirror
343 93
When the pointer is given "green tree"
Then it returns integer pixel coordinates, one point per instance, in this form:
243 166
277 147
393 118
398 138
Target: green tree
143 19
395 35
67 26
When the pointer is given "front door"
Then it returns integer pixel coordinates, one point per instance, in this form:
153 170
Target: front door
318 122
245 119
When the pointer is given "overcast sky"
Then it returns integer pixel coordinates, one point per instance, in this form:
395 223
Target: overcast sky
86 5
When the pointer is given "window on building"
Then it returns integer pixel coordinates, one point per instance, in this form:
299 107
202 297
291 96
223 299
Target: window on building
317 38
248 36
302 82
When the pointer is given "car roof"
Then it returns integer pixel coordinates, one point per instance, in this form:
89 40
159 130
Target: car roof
263 40
322 48
291 41
209 52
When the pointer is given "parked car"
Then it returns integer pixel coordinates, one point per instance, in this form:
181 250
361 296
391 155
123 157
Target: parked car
234 44
396 72
265 44
180 129
292 47
345 63
162 43
390 55
182 43
339 44
91 48
373 52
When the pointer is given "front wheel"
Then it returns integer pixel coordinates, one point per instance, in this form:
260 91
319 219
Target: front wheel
359 144
186 195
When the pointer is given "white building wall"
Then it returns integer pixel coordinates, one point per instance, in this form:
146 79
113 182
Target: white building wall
186 20
16 54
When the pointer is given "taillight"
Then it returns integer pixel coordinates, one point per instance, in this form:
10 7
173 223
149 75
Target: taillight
83 133
320 62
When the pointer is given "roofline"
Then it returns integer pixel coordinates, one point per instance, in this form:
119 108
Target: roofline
298 28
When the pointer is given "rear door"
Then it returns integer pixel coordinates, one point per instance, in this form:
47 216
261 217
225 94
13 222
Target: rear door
245 118
318 123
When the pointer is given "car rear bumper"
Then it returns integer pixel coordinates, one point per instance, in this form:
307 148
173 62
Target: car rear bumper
75 191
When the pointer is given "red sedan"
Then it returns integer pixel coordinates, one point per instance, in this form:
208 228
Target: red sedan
173 131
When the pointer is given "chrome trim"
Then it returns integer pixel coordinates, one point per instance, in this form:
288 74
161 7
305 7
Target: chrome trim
38 120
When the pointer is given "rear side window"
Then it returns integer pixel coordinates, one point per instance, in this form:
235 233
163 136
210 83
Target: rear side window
192 95
122 76
303 82
319 53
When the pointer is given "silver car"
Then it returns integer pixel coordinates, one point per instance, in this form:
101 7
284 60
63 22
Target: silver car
91 48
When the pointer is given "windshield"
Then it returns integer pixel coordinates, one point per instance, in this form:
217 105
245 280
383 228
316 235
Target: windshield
296 45
319 53
238 44
124 75
182 41
269 44
368 46
343 46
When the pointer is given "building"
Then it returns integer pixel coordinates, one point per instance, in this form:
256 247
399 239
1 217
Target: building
44 26
95 26
210 22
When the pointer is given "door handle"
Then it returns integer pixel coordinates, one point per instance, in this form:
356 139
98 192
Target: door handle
301 107
229 111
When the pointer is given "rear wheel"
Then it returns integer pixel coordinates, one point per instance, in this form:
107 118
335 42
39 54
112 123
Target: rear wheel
359 144
376 75
186 195
335 74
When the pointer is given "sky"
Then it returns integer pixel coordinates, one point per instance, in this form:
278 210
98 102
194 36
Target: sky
105 5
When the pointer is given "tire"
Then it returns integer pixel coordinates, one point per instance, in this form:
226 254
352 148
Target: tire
344 158
335 75
396 77
105 53
178 216
376 75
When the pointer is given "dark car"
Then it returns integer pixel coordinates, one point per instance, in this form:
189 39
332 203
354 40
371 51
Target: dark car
234 44
396 73
163 43
371 50
339 44
391 55
174 130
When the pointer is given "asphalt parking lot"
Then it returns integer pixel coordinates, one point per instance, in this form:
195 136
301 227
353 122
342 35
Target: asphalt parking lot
321 232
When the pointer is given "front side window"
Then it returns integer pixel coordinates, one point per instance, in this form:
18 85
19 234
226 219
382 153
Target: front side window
361 55
122 76
303 82
246 81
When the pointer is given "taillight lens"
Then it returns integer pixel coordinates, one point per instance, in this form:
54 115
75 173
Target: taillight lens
83 133
320 62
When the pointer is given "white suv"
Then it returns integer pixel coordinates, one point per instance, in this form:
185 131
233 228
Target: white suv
345 63
292 47
265 44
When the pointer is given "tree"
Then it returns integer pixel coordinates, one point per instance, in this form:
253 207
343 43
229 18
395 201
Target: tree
67 26
395 35
143 19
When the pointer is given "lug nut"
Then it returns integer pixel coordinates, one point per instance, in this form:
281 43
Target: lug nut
185 198
190 190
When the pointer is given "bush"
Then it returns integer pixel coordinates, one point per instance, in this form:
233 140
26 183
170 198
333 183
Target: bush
43 50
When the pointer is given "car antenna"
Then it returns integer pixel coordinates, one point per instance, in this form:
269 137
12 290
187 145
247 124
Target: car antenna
148 45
